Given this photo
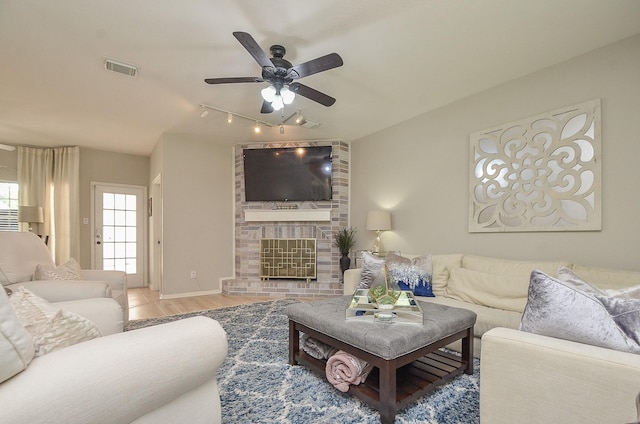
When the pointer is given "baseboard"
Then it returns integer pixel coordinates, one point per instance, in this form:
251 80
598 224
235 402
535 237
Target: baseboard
189 294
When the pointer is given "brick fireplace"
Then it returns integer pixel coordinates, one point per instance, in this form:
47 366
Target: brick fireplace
294 220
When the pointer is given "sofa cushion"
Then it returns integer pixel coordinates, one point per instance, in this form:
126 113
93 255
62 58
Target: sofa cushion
16 345
516 268
605 278
51 327
20 253
493 290
411 274
581 313
442 266
70 270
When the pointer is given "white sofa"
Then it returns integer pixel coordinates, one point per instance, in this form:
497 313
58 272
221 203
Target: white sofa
530 379
160 374
22 252
495 289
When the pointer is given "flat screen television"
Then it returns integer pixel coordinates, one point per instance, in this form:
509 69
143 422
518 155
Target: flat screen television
288 174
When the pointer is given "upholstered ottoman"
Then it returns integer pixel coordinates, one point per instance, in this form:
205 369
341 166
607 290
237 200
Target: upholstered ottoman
407 360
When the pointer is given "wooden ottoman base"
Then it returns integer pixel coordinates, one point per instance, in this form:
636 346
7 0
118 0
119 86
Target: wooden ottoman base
393 383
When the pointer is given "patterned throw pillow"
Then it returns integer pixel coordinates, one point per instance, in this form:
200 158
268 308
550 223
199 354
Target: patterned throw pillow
412 274
51 328
70 270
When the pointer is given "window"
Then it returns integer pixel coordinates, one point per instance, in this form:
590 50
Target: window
8 206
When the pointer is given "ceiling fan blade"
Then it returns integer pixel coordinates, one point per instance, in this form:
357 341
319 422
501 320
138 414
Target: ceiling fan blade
253 48
232 80
324 63
311 94
266 107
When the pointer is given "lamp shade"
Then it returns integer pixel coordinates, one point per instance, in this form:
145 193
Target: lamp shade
31 214
378 220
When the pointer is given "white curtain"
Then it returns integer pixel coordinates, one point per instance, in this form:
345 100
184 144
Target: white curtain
50 178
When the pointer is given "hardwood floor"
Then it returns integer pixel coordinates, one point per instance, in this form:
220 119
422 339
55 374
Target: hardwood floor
145 303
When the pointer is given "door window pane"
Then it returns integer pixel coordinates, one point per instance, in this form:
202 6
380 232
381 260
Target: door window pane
119 232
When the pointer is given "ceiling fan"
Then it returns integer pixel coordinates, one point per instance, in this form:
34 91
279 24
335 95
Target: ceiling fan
281 75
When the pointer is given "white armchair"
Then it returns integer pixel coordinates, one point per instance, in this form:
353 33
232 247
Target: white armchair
162 374
22 252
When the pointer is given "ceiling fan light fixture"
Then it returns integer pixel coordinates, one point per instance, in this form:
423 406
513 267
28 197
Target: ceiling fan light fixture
277 103
269 93
287 95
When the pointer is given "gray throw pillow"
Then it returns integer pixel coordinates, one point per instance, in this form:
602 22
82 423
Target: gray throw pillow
371 266
581 313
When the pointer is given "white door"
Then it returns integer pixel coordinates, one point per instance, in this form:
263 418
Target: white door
120 217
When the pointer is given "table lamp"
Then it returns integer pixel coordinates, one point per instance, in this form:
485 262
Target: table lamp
378 221
31 214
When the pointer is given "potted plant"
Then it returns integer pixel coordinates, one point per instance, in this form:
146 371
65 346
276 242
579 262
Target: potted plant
345 239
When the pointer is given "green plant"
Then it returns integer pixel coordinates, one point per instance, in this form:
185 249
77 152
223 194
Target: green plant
345 239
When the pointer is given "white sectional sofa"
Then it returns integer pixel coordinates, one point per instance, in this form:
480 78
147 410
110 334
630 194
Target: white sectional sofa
495 289
526 377
531 379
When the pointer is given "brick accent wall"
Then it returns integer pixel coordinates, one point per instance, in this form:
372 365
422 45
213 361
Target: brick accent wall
247 234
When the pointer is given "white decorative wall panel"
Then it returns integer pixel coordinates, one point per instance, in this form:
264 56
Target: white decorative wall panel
538 174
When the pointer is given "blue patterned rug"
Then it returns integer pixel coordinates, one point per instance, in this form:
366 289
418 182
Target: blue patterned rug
257 385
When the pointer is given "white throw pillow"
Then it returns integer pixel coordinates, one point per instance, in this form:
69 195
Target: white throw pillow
70 270
16 345
51 328
493 290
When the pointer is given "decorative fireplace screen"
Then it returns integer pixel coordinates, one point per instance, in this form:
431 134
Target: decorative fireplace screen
288 258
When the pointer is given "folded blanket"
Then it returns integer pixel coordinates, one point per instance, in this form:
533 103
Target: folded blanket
344 369
316 348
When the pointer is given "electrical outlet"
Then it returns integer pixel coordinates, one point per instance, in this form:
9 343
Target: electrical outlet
193 274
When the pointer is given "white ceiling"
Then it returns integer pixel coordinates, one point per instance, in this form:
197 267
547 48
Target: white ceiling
401 58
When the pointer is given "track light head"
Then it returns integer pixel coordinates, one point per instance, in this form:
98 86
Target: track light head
204 113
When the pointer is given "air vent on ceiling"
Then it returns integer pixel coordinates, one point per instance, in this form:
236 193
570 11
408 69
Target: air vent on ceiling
120 67
309 124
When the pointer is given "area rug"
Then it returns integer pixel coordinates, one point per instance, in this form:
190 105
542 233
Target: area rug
257 385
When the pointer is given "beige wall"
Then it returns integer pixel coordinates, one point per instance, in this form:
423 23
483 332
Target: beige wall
197 213
420 169
105 167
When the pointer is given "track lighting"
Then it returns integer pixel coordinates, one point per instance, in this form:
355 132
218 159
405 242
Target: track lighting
299 118
207 108
281 129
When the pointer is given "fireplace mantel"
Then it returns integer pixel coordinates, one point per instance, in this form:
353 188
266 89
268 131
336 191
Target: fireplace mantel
280 215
